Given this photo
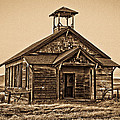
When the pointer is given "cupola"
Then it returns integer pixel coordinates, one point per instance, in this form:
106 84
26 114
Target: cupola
60 14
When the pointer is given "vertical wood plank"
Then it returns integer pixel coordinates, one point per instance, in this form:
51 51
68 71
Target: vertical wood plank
67 21
72 21
21 75
112 82
6 73
90 82
13 76
53 24
26 77
17 75
58 83
32 91
9 77
94 83
58 21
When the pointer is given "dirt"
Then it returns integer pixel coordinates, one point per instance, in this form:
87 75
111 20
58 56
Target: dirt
82 111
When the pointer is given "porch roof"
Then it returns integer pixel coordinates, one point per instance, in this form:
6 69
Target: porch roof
107 62
40 59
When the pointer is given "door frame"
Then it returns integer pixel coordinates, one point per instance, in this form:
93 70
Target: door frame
73 94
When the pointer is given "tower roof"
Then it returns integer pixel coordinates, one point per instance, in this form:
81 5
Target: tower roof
64 12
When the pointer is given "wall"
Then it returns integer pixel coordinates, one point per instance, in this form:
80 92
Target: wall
82 81
103 82
44 83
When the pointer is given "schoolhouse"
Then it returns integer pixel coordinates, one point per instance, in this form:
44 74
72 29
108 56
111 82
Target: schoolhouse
62 65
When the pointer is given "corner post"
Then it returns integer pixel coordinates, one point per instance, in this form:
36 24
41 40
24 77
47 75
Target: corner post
94 84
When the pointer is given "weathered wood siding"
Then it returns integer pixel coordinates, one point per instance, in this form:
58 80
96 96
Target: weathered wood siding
44 83
82 81
63 43
103 82
24 75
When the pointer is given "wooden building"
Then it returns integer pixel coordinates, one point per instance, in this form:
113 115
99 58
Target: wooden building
62 65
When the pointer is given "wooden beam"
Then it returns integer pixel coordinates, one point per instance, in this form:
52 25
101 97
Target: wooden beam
53 24
58 21
72 22
58 83
67 21
11 76
112 82
26 78
90 82
20 72
6 74
18 75
15 76
32 90
94 84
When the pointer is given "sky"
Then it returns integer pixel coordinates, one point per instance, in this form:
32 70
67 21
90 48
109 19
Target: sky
23 22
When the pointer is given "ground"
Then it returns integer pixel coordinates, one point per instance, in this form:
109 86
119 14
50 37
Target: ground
59 111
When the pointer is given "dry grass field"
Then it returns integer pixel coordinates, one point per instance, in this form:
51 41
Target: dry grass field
83 111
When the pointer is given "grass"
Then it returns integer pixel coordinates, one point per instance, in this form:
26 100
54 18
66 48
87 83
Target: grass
102 110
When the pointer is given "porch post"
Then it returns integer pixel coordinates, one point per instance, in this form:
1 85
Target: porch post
94 84
58 84
91 83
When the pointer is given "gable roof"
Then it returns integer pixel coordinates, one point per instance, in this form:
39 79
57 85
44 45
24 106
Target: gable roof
66 55
35 46
50 38
102 61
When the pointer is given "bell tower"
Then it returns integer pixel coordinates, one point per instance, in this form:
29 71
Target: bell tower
59 15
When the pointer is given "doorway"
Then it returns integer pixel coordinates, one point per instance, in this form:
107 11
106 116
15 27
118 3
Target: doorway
69 84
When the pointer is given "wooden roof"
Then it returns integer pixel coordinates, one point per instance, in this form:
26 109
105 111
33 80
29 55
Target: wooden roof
52 37
65 55
107 62
64 12
41 59
34 46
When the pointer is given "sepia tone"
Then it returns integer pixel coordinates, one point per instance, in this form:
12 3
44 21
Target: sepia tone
63 67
